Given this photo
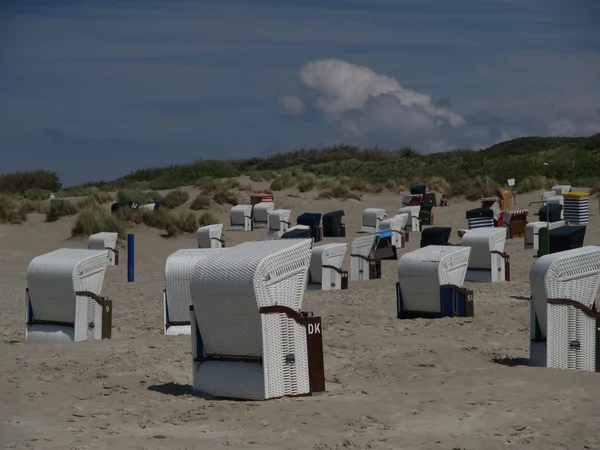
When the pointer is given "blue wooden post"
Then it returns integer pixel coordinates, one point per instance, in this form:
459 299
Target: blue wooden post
130 258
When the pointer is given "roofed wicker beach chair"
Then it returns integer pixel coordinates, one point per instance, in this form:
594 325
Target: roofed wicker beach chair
325 271
488 262
565 326
250 339
413 212
532 231
515 222
279 221
106 241
333 225
561 189
363 264
397 224
430 283
371 219
260 214
62 301
209 236
176 295
241 218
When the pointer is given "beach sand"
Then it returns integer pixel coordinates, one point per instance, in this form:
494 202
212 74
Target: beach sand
391 384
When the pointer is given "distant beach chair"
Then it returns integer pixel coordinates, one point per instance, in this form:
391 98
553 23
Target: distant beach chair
62 301
176 294
312 220
325 272
515 222
209 236
279 221
363 265
480 218
297 232
260 214
561 189
241 218
413 212
106 241
151 206
565 326
532 231
435 236
398 225
333 225
430 283
371 219
488 262
250 340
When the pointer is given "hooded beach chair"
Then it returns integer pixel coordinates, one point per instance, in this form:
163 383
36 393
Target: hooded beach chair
480 218
426 215
430 283
209 236
106 241
62 301
250 339
371 219
488 262
260 214
241 218
532 231
333 225
176 294
363 264
312 220
515 222
397 224
565 326
577 208
435 236
325 271
413 212
279 221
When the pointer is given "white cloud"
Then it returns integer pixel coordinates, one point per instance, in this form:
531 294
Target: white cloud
291 104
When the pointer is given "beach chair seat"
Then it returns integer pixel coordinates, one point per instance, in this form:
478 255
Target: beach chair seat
260 214
565 326
250 340
397 224
413 212
176 294
363 264
241 218
325 272
62 301
279 221
435 236
106 241
430 283
371 219
209 236
312 220
333 225
488 262
532 230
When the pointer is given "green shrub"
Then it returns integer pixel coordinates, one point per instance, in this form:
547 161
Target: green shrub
307 183
60 208
223 196
207 218
139 197
21 182
11 210
37 194
202 201
176 198
283 182
91 221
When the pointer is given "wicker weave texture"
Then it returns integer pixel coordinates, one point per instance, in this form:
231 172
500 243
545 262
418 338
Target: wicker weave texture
413 213
279 220
53 279
483 241
227 291
102 241
365 247
423 271
209 236
327 255
261 214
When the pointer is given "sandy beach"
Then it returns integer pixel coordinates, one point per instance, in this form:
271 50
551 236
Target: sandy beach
391 384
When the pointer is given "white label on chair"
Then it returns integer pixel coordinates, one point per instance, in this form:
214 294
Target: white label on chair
314 328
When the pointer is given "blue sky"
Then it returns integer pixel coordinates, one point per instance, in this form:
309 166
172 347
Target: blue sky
95 89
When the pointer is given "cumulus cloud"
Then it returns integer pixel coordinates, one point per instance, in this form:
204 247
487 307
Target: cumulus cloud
368 108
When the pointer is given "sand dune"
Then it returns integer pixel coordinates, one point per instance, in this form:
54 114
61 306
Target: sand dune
421 384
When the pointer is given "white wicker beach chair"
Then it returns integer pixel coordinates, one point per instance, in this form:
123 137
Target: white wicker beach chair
565 327
398 226
241 218
62 301
325 271
251 340
279 221
561 189
430 283
371 219
557 200
209 236
260 214
414 224
105 241
546 195
488 262
363 265
532 230
176 295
